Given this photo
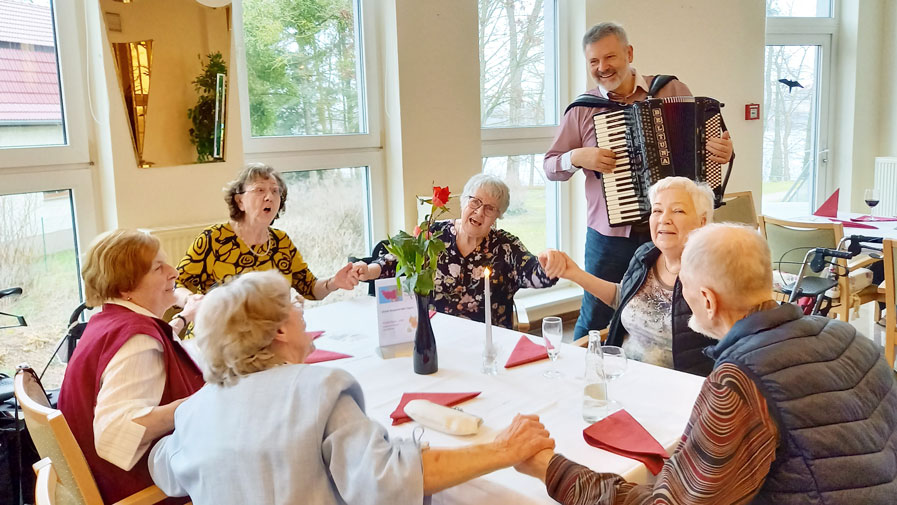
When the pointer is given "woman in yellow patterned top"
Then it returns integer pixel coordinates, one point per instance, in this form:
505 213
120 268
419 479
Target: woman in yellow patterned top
247 242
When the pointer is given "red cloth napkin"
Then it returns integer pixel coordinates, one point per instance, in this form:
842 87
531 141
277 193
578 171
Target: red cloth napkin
526 352
620 434
851 224
446 399
830 207
315 334
432 313
873 219
319 355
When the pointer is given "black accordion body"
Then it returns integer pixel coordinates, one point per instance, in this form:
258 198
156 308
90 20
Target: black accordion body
653 139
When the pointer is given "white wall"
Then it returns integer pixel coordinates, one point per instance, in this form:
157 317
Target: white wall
888 125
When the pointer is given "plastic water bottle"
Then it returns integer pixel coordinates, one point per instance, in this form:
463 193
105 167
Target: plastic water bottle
594 397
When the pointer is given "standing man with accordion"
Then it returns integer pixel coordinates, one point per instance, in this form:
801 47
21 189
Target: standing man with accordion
609 249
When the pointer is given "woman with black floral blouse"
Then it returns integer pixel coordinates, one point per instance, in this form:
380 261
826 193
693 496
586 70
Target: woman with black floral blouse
471 245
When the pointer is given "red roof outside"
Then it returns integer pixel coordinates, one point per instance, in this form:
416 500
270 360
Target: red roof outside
29 79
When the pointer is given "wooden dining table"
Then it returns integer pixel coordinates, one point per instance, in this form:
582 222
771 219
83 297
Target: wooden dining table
660 399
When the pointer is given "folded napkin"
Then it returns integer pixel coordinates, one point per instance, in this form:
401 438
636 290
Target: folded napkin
873 219
620 434
445 399
432 313
526 352
315 334
443 419
319 355
851 224
830 207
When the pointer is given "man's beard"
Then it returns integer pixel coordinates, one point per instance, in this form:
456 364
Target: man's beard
696 326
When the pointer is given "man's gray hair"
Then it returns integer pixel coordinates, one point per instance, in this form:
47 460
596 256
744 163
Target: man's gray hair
237 322
602 30
493 186
731 259
702 196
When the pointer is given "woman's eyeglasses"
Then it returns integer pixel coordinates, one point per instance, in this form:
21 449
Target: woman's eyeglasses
475 203
261 192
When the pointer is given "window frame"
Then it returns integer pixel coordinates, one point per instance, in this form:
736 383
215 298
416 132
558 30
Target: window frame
365 24
73 99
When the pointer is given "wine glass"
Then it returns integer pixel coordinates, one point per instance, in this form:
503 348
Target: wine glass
614 367
552 332
871 197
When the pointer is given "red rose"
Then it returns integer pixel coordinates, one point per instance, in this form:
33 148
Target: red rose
440 196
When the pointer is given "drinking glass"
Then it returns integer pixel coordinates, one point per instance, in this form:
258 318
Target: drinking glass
552 332
614 367
871 197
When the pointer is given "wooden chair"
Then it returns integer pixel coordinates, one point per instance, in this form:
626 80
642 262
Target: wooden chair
789 241
45 487
738 208
71 481
890 293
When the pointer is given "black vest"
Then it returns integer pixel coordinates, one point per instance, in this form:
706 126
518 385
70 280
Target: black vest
688 346
834 400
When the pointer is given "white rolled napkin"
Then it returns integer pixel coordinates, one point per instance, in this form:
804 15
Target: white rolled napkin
444 419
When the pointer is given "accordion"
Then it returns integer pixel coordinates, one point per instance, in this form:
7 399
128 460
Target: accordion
653 139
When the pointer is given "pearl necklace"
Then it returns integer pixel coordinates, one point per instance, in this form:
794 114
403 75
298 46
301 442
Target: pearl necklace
249 246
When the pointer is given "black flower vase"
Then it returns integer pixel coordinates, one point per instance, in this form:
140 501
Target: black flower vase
425 359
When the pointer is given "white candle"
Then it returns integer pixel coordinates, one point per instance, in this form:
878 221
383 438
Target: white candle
486 274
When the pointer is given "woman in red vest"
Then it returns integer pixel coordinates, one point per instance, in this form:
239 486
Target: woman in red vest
127 375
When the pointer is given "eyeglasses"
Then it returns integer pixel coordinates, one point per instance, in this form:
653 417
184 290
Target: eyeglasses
261 192
475 203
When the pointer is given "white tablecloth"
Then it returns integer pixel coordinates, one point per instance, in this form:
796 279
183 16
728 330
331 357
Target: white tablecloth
660 399
885 229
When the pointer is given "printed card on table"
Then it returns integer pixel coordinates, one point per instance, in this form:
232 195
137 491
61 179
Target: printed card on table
396 313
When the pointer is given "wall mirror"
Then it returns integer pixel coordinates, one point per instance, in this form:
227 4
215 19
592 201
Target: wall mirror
172 58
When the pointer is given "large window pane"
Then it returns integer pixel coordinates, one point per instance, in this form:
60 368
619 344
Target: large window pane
799 8
327 218
38 254
303 60
790 129
31 111
532 215
518 63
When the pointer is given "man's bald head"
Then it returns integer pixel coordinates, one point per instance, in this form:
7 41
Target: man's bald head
731 260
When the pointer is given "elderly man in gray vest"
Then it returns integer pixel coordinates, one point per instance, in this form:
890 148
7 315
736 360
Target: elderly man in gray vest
798 409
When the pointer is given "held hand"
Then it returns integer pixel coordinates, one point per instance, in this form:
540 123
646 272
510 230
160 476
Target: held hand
720 148
345 278
536 466
557 264
523 438
190 308
594 158
361 270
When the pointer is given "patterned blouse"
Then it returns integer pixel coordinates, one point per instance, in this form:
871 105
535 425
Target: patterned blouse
724 456
459 287
648 319
218 254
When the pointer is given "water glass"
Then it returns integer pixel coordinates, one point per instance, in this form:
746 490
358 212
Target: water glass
614 366
552 332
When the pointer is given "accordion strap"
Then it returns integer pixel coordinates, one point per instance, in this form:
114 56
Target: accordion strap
598 102
658 83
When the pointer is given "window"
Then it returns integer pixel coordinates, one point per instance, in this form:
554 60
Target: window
304 67
31 112
39 254
532 214
327 219
799 8
518 63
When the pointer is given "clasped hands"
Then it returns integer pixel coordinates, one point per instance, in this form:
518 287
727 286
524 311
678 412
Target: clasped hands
605 160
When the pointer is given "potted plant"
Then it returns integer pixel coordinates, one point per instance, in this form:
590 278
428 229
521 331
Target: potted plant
202 135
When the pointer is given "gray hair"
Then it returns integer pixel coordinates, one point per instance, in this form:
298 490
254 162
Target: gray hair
252 172
602 30
731 259
237 322
701 195
495 187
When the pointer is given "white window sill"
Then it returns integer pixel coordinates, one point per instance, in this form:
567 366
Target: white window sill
560 299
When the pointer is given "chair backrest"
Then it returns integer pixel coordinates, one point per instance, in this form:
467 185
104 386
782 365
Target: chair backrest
890 261
45 487
54 439
738 208
789 241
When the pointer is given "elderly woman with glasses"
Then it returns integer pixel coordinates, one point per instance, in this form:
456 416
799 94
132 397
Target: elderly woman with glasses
472 244
268 429
651 321
247 242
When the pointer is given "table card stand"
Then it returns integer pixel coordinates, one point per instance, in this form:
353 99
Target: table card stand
396 319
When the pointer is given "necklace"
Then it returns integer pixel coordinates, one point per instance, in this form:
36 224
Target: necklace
667 267
249 246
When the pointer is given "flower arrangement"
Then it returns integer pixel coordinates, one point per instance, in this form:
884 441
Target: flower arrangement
417 253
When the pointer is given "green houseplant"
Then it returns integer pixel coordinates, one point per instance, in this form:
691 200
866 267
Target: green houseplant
202 135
